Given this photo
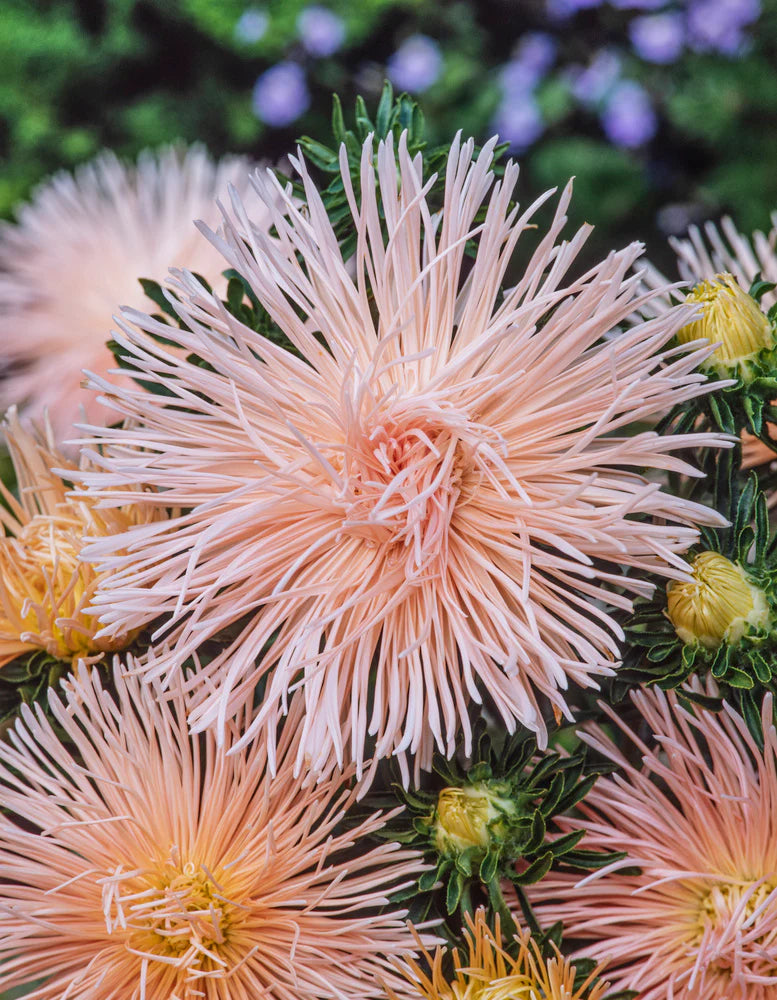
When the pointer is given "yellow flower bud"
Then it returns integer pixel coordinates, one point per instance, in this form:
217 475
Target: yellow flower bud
717 605
465 816
731 318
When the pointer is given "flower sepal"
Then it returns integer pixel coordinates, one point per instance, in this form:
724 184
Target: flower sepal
490 818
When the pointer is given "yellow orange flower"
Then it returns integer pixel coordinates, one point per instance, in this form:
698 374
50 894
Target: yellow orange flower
45 586
485 970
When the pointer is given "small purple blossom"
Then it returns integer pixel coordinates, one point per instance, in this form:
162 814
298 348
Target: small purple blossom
717 25
517 78
251 25
537 51
638 4
281 94
659 38
591 84
416 64
534 57
320 30
628 117
519 123
561 9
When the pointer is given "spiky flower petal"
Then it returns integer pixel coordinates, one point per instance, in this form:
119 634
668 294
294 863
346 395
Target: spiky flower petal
139 863
486 971
703 254
697 920
434 501
75 256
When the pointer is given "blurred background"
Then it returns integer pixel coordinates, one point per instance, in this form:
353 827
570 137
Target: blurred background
665 111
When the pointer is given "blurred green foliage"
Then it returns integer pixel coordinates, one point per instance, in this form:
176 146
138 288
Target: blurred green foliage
79 75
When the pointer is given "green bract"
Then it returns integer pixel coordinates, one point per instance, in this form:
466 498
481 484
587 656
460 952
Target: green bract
743 663
490 818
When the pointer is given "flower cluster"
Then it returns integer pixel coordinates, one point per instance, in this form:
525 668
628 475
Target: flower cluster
377 500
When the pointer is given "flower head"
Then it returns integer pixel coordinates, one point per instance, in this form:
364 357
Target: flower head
722 619
724 266
464 816
718 604
698 822
486 971
428 497
489 820
138 862
75 256
45 586
733 320
281 94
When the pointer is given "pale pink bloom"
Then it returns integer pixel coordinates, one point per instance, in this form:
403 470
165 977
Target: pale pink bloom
74 257
701 256
439 503
137 863
699 819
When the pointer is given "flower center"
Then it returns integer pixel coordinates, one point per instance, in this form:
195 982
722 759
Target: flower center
179 911
717 605
467 817
514 987
403 482
731 318
738 926
45 587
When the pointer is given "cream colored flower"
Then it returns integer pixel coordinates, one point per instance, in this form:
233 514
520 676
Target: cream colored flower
75 256
439 502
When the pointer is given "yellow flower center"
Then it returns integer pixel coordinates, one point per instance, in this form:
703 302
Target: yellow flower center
732 319
729 910
513 987
717 605
179 911
465 816
45 588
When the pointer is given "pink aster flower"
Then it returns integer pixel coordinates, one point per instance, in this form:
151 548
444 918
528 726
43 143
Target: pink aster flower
699 821
702 255
137 863
437 502
74 257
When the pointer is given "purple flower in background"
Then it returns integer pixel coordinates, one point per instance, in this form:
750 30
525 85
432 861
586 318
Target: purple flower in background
519 123
561 9
320 30
534 57
659 38
638 4
591 84
251 25
537 51
717 25
281 94
416 64
628 118
517 78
